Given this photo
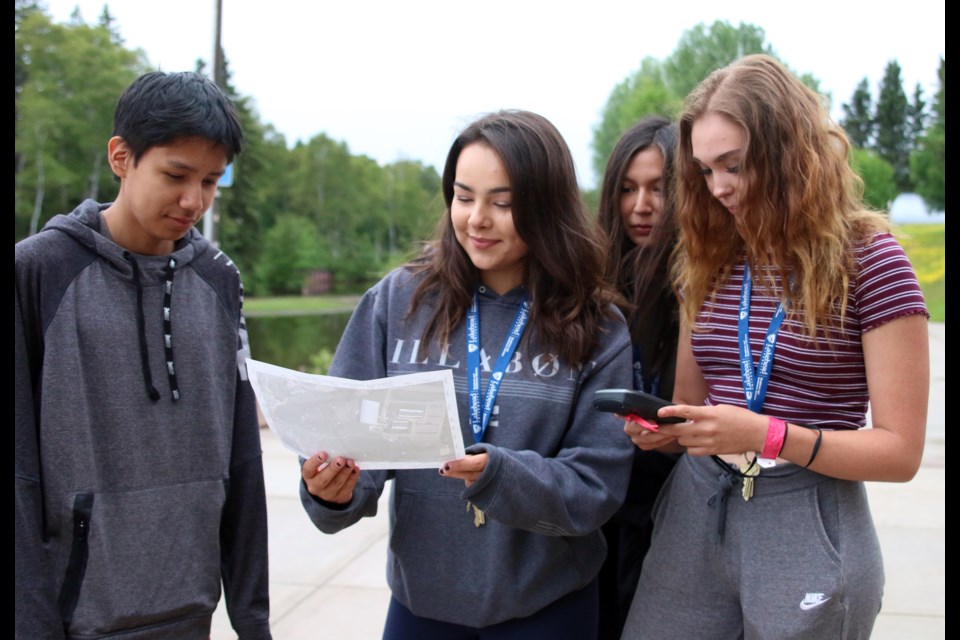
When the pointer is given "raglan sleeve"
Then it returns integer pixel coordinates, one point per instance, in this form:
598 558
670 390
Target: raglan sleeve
37 613
360 356
243 530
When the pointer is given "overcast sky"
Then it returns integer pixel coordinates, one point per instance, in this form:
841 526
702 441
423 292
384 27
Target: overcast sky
398 80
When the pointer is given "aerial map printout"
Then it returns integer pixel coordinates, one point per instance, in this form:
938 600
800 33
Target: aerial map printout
401 422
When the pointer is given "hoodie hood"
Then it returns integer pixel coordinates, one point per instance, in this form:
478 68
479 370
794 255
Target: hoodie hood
85 225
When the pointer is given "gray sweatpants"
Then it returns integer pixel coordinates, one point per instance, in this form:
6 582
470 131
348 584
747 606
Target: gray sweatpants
801 559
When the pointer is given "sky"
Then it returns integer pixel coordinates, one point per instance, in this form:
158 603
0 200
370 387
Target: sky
399 80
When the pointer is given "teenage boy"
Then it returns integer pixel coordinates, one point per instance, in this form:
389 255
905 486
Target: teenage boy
139 482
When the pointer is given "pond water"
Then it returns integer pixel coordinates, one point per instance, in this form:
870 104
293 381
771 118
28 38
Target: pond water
290 341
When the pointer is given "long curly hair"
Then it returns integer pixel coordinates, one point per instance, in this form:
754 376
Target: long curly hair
563 270
800 205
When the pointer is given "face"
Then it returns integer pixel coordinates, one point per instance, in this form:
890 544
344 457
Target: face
164 194
482 217
641 195
718 145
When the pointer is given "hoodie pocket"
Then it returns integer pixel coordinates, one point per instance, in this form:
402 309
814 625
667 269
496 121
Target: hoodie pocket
143 557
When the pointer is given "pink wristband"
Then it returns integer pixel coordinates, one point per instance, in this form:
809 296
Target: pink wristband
776 431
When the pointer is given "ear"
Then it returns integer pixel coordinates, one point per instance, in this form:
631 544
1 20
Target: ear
119 156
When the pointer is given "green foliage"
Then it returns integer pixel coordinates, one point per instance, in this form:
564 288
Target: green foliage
643 93
320 362
892 141
858 117
928 160
704 49
659 87
290 248
879 189
916 116
67 80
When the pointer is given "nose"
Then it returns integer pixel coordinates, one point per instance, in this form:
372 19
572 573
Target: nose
722 185
192 198
478 218
644 202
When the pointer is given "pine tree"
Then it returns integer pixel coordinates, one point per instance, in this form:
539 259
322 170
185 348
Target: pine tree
916 117
928 161
892 140
858 120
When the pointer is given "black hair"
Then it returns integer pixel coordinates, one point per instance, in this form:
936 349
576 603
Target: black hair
158 108
642 274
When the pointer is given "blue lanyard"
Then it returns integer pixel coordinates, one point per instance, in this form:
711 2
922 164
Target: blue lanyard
478 423
755 381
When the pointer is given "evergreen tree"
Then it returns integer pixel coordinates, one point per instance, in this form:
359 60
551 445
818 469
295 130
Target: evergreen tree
916 117
857 117
892 141
928 161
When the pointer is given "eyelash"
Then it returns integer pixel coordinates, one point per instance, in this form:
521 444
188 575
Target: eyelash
705 171
206 183
467 200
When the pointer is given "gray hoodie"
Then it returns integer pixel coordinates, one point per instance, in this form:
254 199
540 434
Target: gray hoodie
139 483
557 468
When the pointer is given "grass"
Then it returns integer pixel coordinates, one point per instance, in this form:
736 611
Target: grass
298 305
925 245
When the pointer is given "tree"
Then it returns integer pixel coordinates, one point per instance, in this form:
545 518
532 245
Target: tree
916 116
67 80
928 161
892 141
659 87
858 117
703 49
643 93
290 248
879 188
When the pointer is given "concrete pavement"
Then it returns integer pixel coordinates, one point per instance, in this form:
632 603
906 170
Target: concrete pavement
336 585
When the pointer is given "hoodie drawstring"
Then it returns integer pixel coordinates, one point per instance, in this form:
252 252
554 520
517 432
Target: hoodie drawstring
167 329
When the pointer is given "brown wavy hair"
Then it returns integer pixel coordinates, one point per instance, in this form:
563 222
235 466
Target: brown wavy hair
800 205
563 270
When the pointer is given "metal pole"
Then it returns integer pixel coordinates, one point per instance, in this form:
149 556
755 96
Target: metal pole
210 219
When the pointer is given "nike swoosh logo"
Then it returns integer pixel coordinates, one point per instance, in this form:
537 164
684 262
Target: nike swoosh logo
812 603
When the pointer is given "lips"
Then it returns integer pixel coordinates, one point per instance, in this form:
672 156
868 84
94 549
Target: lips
482 243
183 222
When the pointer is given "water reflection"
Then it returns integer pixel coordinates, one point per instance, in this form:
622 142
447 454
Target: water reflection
290 341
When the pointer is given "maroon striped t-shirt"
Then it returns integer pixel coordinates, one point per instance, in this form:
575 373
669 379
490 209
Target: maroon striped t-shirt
821 385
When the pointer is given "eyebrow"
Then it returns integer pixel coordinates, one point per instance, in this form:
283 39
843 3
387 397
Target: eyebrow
722 157
183 166
491 191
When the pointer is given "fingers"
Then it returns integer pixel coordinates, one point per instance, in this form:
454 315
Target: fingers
467 468
635 425
650 440
314 465
329 479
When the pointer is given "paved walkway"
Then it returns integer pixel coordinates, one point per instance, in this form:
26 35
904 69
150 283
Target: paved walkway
335 585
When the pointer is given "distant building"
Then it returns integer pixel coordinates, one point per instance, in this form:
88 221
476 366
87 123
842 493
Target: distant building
316 282
909 208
